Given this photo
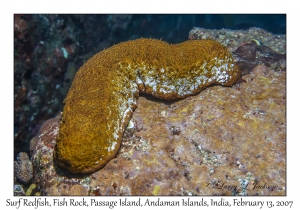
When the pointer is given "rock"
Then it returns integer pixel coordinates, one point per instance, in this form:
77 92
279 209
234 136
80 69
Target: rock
234 38
23 168
250 47
232 141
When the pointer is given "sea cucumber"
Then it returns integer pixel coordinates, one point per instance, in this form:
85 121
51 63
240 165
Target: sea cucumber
104 92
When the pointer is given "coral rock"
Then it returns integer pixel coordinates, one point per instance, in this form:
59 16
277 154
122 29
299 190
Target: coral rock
23 168
231 142
250 47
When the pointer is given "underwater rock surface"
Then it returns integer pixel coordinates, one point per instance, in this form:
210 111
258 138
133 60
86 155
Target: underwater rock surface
23 168
222 141
228 141
250 47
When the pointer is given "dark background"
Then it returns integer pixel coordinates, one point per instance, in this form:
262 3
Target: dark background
175 28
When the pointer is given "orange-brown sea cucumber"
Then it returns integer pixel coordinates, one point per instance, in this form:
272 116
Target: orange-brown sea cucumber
103 94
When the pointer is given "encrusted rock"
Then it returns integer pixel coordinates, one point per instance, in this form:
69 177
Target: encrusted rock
232 142
234 38
23 168
250 47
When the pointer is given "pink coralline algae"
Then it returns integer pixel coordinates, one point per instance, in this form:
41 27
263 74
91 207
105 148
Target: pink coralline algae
23 168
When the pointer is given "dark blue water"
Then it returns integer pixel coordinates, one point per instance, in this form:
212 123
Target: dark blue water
175 28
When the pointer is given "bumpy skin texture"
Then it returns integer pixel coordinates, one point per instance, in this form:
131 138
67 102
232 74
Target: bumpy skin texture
105 89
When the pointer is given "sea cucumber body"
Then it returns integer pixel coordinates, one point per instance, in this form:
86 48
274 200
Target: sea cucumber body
103 94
